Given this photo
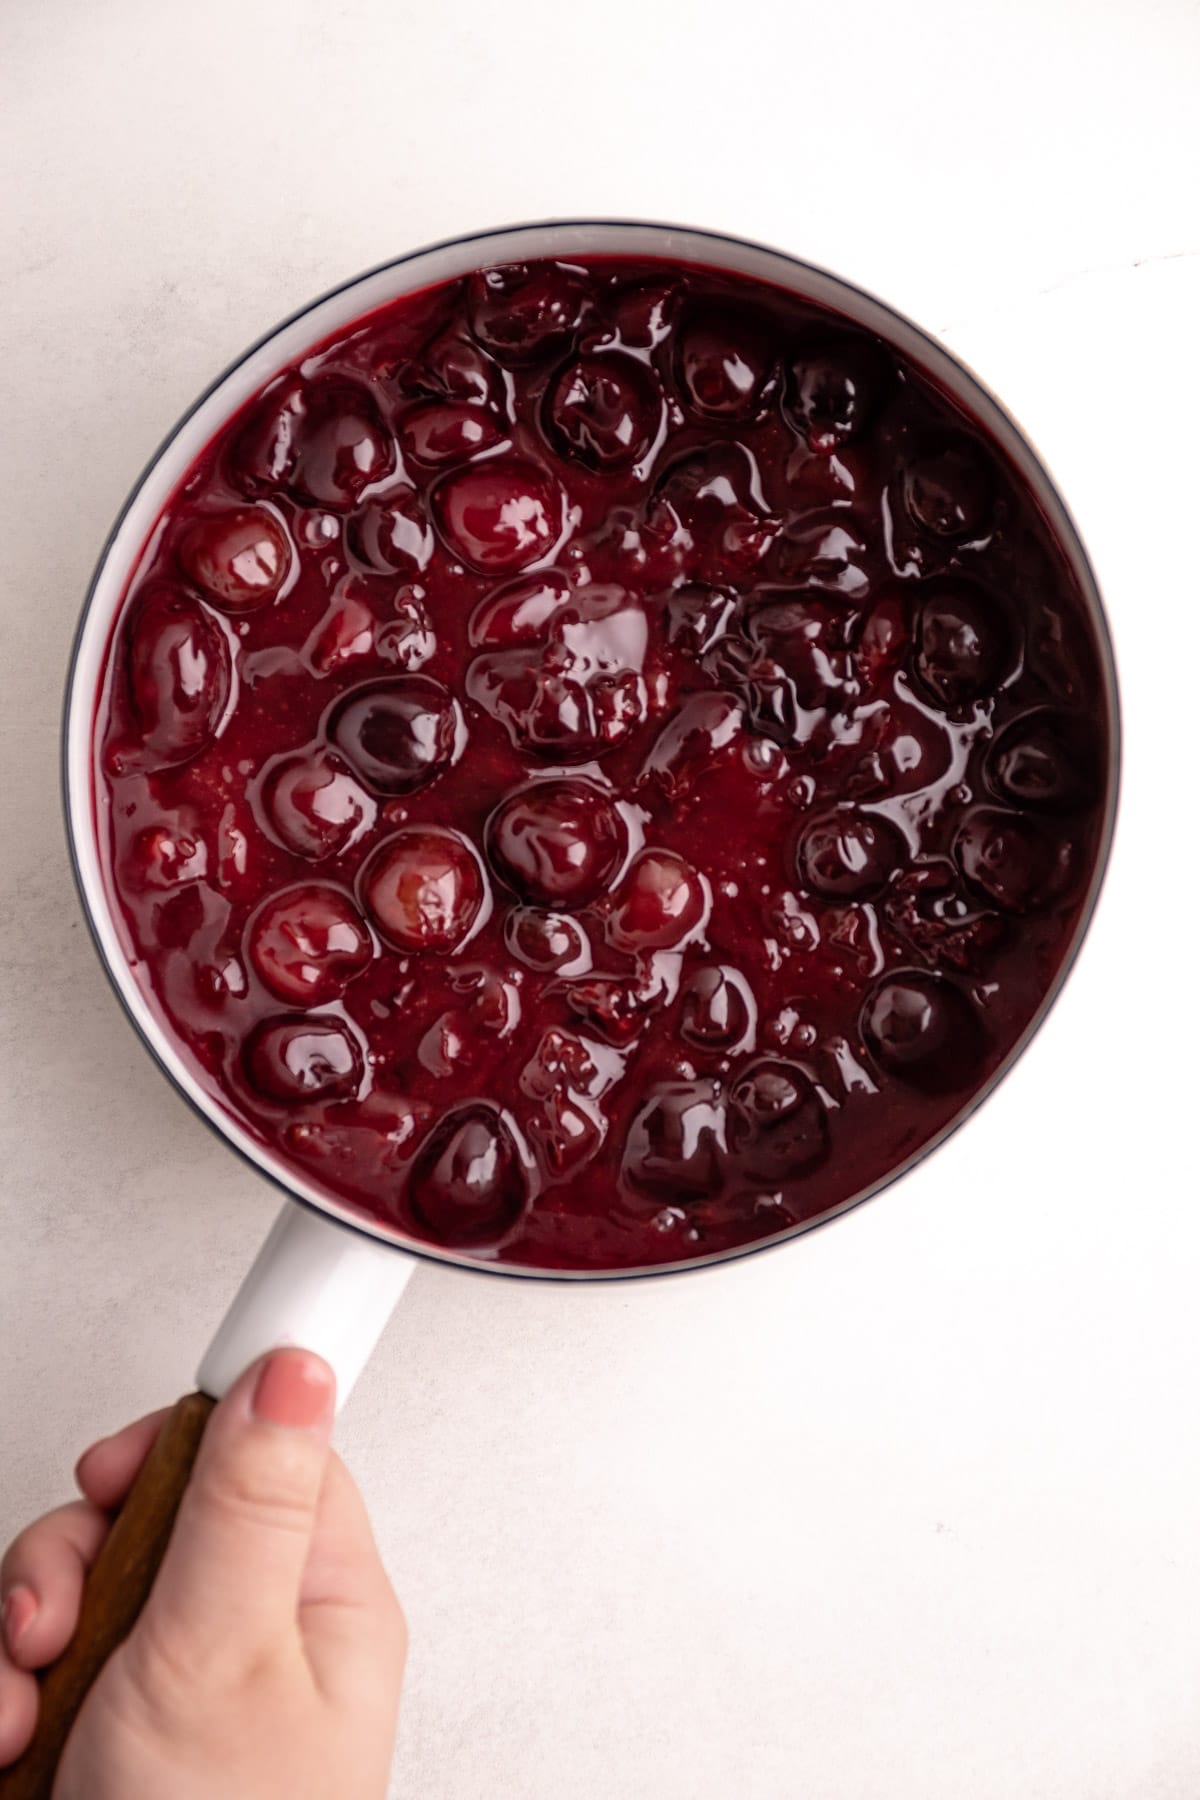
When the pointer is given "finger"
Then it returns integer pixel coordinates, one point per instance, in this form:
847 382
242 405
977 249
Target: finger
18 1709
107 1470
229 1584
41 1580
351 1622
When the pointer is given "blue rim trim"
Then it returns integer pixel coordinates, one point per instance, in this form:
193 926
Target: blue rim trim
697 1265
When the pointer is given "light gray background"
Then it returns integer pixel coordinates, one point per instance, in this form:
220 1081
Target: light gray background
911 1509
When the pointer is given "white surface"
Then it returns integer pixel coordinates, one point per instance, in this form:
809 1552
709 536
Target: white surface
315 1284
909 1511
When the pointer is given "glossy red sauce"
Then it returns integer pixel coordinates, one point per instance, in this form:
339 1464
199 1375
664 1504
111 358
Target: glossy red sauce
599 763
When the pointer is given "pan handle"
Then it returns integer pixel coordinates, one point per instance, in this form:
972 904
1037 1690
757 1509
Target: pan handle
315 1284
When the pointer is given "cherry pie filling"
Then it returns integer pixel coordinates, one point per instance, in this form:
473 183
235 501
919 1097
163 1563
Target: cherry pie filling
599 763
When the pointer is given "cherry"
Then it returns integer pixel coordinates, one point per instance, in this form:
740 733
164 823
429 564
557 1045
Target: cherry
548 942
342 445
927 908
835 388
439 433
167 855
719 1010
399 734
688 744
948 491
557 843
521 611
313 805
393 533
467 1185
697 617
550 710
296 1057
180 675
825 552
424 888
641 313
1013 860
708 508
964 647
923 1029
723 361
453 366
239 559
407 640
308 943
521 312
1045 759
345 634
263 454
661 903
618 1007
604 410
777 1124
499 515
675 1146
849 855
567 1134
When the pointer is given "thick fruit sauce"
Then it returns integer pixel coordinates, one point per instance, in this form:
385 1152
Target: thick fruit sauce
599 762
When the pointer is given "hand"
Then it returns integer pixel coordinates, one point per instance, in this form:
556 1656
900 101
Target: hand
267 1662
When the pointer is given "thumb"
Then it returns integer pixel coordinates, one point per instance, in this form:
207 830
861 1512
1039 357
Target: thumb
230 1580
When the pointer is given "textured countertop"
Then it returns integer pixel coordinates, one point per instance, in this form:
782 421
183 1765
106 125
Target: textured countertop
907 1511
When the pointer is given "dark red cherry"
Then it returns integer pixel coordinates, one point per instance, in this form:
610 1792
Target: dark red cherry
825 553
180 675
298 1057
604 410
240 559
697 617
398 735
567 1134
520 612
313 805
424 888
661 902
684 751
499 515
521 312
718 1011
549 942
308 943
849 855
923 1029
445 432
1047 760
467 1184
263 455
723 361
557 843
708 509
948 491
964 643
777 1124
392 532
344 635
835 387
641 312
342 447
675 1147
1019 863
453 366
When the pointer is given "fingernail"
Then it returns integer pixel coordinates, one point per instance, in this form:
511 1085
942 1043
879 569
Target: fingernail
294 1388
20 1610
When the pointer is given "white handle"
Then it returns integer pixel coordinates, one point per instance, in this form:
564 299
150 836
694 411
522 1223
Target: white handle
314 1283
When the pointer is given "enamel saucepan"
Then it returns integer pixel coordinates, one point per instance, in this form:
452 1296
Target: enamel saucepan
326 1277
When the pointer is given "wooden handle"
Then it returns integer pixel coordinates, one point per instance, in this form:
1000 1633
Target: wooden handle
115 1592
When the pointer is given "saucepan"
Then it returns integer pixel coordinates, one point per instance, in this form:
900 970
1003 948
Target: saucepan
328 1277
